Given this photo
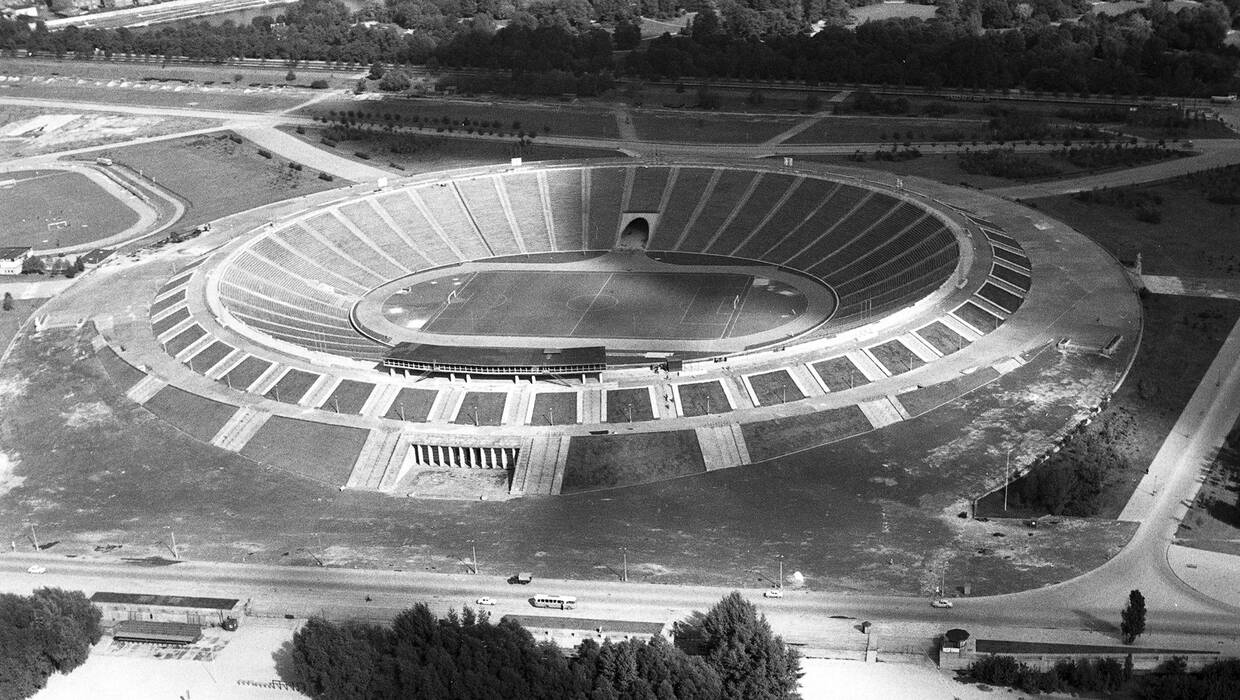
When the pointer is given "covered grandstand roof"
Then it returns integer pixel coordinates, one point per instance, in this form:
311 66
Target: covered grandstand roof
156 632
496 360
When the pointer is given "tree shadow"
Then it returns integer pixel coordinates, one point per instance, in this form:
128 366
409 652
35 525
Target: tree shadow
284 662
1096 624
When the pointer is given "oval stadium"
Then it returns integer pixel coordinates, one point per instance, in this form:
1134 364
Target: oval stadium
568 327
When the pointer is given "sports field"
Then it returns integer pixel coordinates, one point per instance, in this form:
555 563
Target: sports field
644 305
54 208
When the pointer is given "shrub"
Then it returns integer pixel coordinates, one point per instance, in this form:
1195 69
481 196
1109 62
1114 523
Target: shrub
326 177
319 84
263 153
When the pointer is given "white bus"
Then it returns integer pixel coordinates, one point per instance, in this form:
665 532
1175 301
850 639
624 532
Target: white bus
563 602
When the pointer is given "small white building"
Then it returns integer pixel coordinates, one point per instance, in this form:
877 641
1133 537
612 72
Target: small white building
12 259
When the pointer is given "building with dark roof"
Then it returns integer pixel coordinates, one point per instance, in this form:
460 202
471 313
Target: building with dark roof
570 632
148 607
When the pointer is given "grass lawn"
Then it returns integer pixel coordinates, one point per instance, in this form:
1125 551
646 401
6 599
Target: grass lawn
412 405
555 408
205 171
628 405
12 320
348 397
931 397
482 408
840 374
324 453
426 152
1195 236
604 461
944 339
1181 337
1213 521
782 436
245 373
80 209
198 417
869 128
896 358
703 399
704 127
156 94
775 387
292 386
900 10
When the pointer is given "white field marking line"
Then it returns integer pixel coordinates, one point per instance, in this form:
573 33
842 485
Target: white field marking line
730 325
446 304
585 313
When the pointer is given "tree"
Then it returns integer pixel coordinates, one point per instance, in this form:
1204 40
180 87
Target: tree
290 77
8 301
752 662
1132 619
50 630
376 71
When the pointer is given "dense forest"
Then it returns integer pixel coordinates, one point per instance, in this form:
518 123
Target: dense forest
465 656
1041 45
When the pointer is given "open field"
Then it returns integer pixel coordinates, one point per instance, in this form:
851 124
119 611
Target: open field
140 93
1213 521
155 70
12 319
870 129
84 129
891 10
204 171
1208 247
55 208
425 152
1182 336
704 127
875 513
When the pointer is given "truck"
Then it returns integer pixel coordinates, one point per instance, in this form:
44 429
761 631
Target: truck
522 578
1223 99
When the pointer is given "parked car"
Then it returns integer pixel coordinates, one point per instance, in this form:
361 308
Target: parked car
36 569
522 578
485 601
940 603
773 593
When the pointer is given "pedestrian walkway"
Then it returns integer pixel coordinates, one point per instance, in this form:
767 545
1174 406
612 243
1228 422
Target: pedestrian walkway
297 150
798 128
1213 287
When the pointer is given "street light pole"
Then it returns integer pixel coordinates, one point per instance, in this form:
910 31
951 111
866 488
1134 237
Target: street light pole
34 536
1007 476
780 582
624 552
474 548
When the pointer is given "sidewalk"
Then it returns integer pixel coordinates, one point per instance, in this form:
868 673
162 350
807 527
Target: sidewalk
1211 573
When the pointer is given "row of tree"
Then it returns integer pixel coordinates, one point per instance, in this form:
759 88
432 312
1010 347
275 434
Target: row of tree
48 631
1148 51
467 656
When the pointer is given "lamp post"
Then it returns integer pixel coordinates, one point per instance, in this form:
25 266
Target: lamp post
1007 476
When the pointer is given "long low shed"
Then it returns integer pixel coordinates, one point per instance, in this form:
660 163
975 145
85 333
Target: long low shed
177 633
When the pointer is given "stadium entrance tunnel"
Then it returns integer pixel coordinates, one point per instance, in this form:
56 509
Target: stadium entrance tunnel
635 235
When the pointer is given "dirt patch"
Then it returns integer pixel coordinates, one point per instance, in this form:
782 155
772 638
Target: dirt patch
87 415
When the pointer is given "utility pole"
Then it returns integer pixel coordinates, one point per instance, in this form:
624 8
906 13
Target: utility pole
34 536
1007 476
474 547
175 555
780 582
624 552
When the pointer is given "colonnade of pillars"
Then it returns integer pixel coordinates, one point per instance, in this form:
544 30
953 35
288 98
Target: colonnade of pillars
460 456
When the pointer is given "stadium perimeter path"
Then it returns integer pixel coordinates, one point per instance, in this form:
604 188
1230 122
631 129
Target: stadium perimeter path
1215 153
